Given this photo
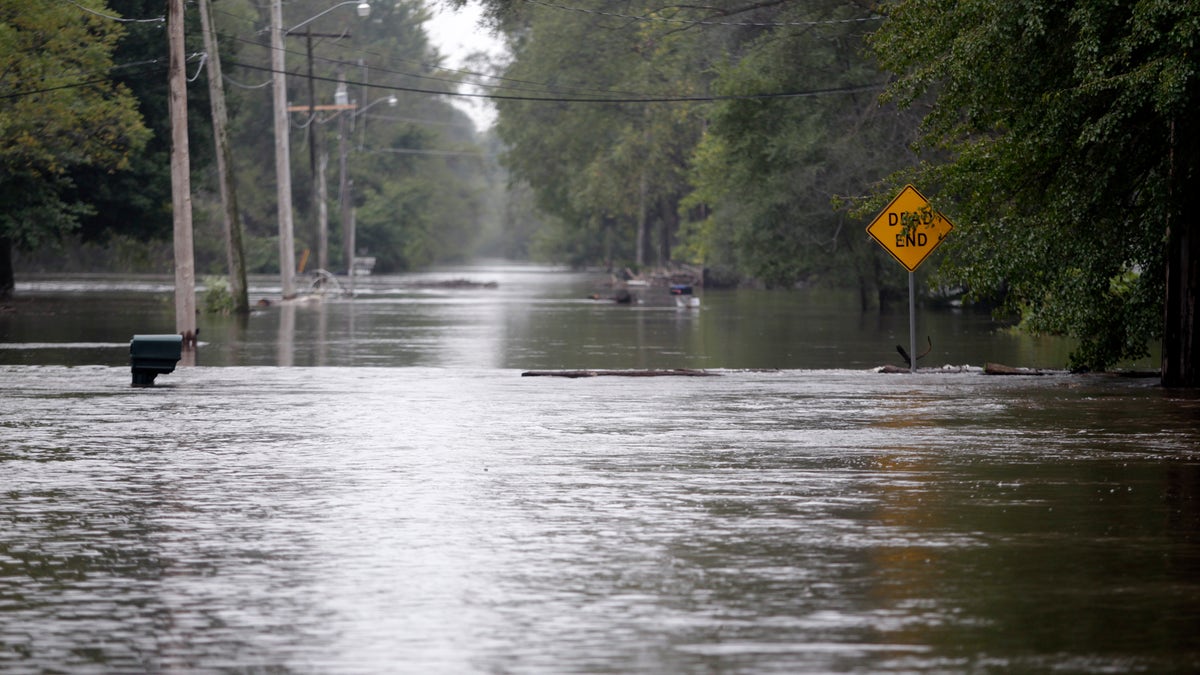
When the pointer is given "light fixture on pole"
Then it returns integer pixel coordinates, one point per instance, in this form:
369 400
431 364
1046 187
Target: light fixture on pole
283 160
349 230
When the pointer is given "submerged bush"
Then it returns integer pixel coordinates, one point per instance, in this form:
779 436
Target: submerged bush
217 298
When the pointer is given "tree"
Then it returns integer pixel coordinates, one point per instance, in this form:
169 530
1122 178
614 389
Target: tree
412 164
136 201
1063 139
610 175
746 183
770 168
59 109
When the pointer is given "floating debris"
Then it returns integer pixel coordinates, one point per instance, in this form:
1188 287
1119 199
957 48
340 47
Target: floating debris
675 372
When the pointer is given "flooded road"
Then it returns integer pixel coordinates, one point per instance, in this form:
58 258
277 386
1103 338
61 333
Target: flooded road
460 518
515 317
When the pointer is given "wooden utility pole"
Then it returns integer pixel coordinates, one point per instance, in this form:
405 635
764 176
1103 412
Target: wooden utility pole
283 156
316 161
234 250
348 242
181 188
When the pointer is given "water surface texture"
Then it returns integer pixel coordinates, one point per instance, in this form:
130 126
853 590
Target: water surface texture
457 517
516 317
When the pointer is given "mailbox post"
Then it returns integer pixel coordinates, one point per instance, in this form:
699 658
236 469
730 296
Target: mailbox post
153 355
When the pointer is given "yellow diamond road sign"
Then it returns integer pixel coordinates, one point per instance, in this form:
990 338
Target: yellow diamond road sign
909 228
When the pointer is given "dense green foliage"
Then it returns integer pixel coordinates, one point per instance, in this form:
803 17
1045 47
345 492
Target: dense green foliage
136 201
600 170
415 169
1060 121
77 157
770 169
1060 137
58 111
736 131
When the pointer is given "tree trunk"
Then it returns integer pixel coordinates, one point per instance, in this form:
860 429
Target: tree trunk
234 250
669 217
7 282
640 255
1181 339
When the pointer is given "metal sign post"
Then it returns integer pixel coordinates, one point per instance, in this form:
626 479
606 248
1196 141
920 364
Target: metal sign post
909 229
912 322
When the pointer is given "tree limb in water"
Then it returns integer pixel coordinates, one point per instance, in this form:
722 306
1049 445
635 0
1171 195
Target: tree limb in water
676 372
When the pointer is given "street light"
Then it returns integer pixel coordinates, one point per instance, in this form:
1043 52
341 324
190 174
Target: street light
390 99
283 159
340 97
362 8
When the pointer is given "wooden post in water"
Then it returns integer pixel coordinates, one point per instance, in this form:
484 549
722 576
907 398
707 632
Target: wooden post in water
181 188
283 157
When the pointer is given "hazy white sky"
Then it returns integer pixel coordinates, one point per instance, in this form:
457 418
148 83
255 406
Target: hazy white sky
457 34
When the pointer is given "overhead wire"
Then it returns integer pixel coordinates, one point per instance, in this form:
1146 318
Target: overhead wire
615 100
606 98
159 19
562 94
95 77
702 22
533 86
528 85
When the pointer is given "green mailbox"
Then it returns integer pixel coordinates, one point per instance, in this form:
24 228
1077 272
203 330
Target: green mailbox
152 355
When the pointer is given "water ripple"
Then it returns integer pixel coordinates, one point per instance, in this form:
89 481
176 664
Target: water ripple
427 520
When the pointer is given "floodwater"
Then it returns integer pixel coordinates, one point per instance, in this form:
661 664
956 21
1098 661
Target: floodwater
515 317
418 506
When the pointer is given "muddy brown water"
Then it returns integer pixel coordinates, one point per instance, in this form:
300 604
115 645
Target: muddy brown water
402 500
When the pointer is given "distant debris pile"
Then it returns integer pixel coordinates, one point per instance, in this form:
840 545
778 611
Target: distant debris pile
454 283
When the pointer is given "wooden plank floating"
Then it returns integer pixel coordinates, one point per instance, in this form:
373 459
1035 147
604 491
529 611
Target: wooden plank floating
987 369
676 372
1001 369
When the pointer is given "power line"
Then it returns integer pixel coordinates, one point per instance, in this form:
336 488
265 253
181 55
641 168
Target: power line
159 19
417 151
533 86
832 91
701 22
83 83
151 65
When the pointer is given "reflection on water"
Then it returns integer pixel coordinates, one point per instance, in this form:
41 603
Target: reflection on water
451 516
463 520
535 318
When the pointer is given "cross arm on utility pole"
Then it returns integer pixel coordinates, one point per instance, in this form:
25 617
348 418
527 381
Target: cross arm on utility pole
306 108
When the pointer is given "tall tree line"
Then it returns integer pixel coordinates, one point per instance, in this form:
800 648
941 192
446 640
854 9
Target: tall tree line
62 120
732 132
1059 136
417 168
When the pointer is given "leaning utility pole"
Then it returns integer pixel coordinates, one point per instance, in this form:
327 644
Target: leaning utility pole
234 251
181 188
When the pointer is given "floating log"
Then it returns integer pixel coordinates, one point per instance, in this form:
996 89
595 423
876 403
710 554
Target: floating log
454 283
675 372
1001 369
